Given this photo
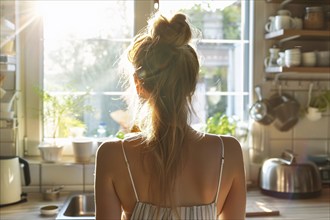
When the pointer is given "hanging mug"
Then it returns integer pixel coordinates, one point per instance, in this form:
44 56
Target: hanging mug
269 27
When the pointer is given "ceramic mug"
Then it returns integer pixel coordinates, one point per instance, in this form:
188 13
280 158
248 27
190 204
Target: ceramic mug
292 57
282 22
297 23
269 27
309 58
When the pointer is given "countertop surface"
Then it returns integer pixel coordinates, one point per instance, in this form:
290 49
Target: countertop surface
315 208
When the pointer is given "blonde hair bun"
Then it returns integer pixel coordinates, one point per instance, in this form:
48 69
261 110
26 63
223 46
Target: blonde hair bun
175 32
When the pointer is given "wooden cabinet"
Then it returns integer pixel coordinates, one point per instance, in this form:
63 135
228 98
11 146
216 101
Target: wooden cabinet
283 37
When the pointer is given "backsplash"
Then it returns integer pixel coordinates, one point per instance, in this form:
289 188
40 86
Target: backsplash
72 176
305 138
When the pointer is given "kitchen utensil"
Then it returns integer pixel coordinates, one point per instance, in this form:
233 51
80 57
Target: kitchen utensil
312 113
285 178
286 112
52 194
10 187
260 111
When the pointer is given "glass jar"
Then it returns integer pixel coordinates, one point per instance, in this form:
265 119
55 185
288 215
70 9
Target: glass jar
327 20
314 18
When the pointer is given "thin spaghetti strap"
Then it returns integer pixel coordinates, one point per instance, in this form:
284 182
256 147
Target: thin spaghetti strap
129 171
221 168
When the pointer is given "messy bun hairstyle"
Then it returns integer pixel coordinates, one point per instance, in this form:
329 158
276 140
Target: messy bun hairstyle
166 67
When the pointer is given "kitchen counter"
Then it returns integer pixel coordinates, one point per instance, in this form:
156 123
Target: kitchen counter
316 208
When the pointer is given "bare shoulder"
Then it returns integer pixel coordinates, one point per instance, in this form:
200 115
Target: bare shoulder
108 148
233 155
109 154
231 144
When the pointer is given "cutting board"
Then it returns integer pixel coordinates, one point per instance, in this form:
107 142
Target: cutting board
254 209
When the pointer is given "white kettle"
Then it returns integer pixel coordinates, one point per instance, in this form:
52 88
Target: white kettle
10 179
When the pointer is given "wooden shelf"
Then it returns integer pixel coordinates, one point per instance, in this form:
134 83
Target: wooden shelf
292 34
312 2
303 70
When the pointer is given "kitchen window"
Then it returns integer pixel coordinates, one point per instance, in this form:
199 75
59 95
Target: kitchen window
81 43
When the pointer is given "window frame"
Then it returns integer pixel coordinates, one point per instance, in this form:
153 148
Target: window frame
32 68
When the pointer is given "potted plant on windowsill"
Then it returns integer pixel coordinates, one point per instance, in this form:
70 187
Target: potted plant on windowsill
60 113
317 105
221 123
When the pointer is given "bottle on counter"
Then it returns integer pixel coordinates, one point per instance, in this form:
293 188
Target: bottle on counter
102 130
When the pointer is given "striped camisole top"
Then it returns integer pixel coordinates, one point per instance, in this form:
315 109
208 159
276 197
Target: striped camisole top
148 211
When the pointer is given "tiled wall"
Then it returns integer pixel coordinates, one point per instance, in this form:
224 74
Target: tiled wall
72 176
305 138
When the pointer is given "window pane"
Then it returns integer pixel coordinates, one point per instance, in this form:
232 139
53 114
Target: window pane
83 41
223 48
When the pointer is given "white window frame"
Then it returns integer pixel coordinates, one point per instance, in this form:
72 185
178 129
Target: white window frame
32 70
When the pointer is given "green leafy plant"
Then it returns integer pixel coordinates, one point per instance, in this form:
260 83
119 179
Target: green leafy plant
321 101
62 112
221 124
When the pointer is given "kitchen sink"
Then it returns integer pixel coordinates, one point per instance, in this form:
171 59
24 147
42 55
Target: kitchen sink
78 206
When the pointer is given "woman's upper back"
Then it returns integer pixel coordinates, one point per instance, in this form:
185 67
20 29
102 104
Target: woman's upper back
196 184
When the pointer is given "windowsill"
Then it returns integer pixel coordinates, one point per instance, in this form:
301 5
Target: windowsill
65 160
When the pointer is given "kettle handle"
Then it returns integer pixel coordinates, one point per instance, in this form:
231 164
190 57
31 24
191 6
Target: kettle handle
26 169
291 155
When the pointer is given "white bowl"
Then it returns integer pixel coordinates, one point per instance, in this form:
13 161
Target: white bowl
49 210
292 62
50 153
309 59
323 58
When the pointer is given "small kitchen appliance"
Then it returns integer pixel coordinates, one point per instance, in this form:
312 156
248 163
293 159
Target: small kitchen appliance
322 161
286 178
10 179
